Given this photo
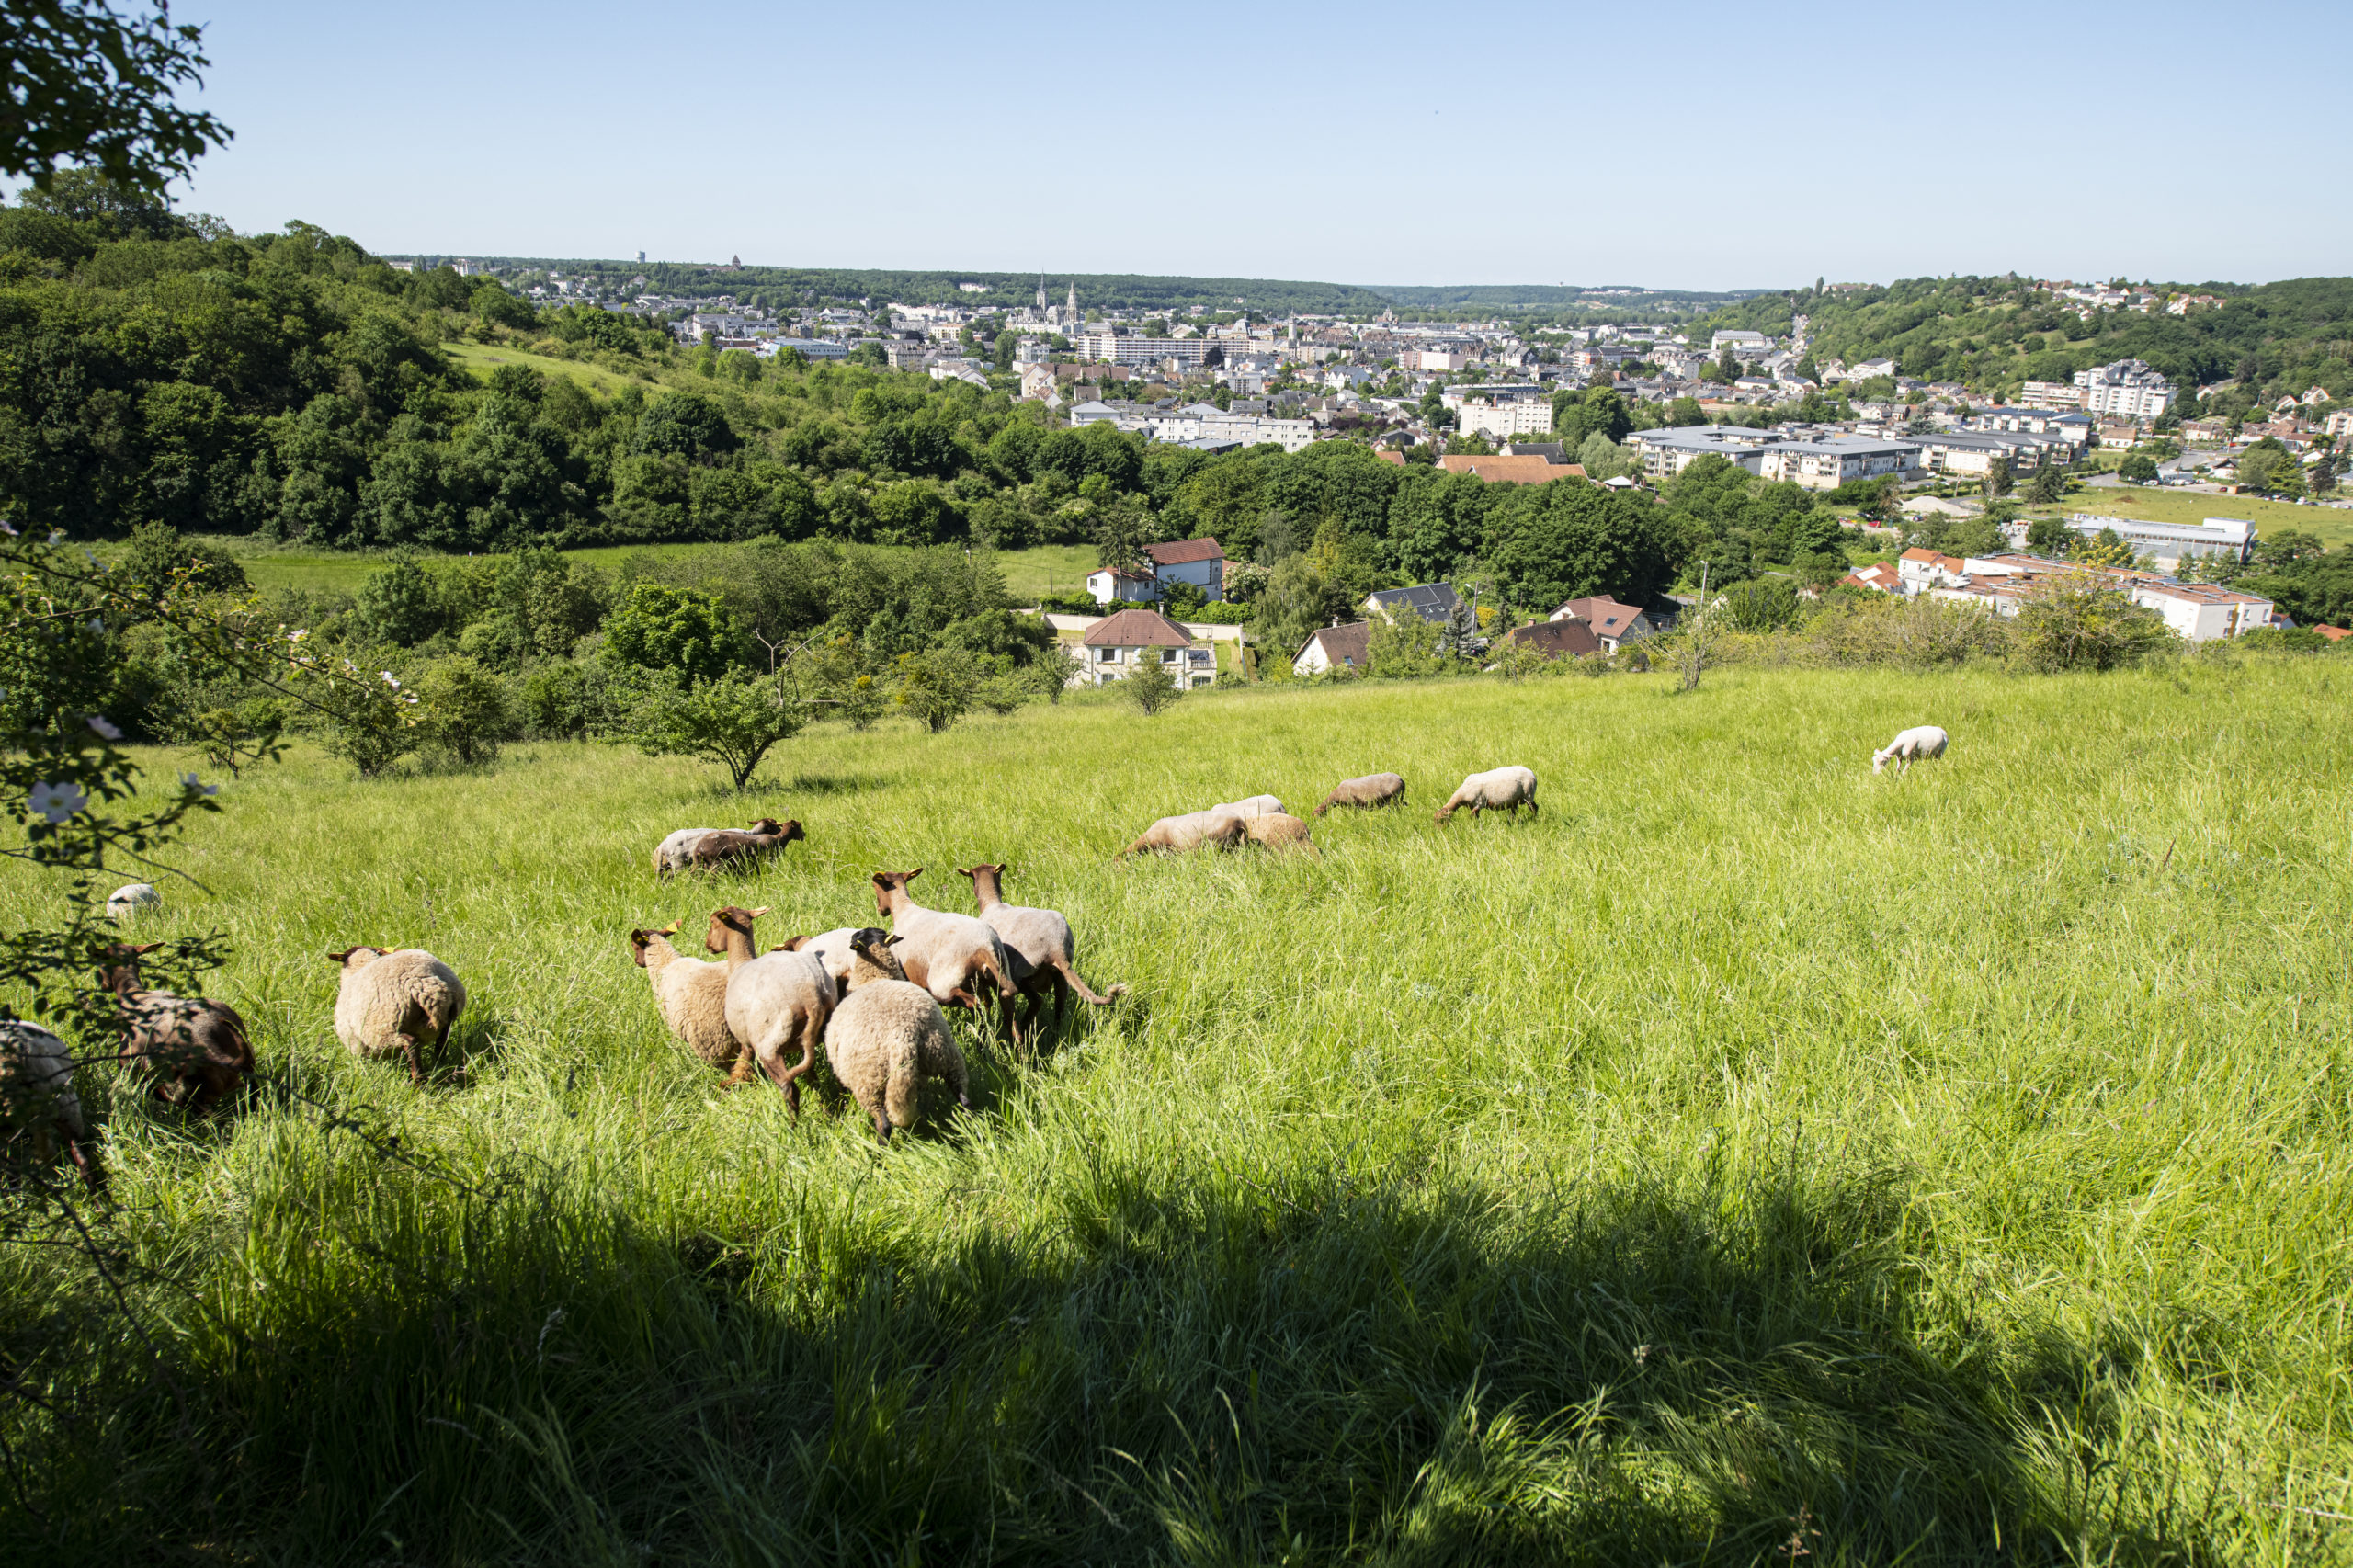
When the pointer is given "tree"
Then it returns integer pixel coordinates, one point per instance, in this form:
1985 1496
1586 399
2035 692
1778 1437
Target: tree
465 712
1152 688
936 688
1998 481
2048 485
89 88
660 627
732 720
685 424
2084 622
2106 548
158 553
1053 670
2049 536
1122 528
402 604
2138 466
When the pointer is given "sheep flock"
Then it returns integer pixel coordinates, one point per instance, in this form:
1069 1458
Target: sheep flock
875 1002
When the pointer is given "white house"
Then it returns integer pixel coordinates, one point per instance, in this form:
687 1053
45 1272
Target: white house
1334 648
1199 561
1118 646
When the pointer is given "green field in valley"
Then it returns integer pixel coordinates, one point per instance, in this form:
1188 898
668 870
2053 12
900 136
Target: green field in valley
2330 524
1746 1156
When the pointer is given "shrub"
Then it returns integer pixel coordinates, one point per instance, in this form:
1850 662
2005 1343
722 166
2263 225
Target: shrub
1916 634
1152 688
732 720
1405 649
377 724
2084 621
660 627
465 712
936 688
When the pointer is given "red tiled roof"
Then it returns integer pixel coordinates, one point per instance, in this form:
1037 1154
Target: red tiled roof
2334 633
1185 551
1533 469
1137 629
1554 638
1604 614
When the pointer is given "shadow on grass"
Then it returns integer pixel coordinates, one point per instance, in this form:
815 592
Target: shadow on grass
1208 1367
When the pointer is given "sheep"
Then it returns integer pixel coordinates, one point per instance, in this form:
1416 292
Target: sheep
887 1034
1372 790
1921 740
125 902
774 1001
1279 830
400 999
1252 806
831 948
1498 789
1216 830
1044 953
37 1099
944 953
672 853
692 996
195 1051
724 846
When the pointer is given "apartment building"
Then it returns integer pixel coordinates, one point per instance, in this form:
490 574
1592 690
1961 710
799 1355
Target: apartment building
2128 389
1503 411
2197 612
1829 461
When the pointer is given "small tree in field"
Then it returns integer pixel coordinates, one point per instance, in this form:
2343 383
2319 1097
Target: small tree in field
1152 688
2084 621
732 721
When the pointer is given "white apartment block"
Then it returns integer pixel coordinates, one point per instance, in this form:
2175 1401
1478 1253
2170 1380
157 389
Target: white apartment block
1506 419
1833 460
2128 389
1118 348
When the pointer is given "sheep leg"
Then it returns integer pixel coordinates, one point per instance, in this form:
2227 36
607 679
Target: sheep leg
743 1073
91 1176
415 1062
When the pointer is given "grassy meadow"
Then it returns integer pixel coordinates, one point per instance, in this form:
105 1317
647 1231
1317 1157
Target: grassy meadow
2331 525
1746 1157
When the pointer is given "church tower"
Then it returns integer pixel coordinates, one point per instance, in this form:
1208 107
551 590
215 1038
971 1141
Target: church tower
1070 312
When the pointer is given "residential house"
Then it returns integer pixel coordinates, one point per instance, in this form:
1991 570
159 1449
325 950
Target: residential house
1611 622
1120 645
2198 612
1199 561
1434 602
1334 648
1530 469
1879 576
1556 639
2116 438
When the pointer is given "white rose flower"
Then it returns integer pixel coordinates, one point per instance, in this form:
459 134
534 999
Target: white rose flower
56 801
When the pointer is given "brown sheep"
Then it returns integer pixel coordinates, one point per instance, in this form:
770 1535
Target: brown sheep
1279 830
194 1051
726 846
1372 790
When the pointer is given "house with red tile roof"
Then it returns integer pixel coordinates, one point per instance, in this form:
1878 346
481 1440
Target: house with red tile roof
1117 647
1199 561
1610 622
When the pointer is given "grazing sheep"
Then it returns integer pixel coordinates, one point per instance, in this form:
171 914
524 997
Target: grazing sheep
889 1035
672 853
692 996
944 953
1372 790
125 902
37 1099
1252 806
396 1000
1279 830
1498 789
1175 835
195 1052
724 846
1044 953
775 1001
1921 740
831 948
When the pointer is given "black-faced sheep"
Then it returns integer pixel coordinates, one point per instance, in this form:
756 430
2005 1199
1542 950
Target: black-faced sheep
38 1104
775 1001
887 1036
193 1051
1498 789
396 1001
1372 790
1040 942
692 997
946 954
1193 830
724 846
1921 740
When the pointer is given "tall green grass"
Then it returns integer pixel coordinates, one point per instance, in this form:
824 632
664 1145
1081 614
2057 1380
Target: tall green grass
1746 1153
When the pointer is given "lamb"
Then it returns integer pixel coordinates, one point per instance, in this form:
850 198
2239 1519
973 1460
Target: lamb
1372 790
672 854
1498 789
125 902
195 1052
37 1099
944 953
775 1001
692 996
1044 953
889 1035
724 846
1279 830
1921 740
392 1000
1252 806
1176 836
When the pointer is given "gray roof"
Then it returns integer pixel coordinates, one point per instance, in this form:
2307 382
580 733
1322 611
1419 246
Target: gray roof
1434 602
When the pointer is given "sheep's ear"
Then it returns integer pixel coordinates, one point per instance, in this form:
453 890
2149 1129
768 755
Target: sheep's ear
966 870
893 940
669 930
795 945
881 878
146 947
338 957
763 909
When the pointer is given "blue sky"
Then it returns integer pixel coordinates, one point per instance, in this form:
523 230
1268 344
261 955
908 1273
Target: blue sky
1685 147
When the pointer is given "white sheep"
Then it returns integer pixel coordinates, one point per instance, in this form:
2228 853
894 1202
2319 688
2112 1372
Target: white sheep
1921 740
1044 953
692 996
125 902
945 953
1498 790
396 1001
675 852
1193 830
775 1001
831 948
37 1098
1252 806
887 1036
